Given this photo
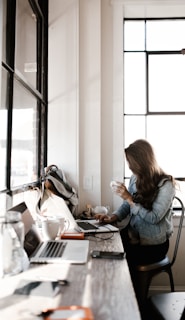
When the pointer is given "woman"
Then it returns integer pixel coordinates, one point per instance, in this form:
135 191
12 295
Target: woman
148 202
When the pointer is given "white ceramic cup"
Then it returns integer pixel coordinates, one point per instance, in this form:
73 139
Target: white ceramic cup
115 185
101 210
50 228
62 226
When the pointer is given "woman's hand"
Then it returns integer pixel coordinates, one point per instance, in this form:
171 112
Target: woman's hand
122 191
104 218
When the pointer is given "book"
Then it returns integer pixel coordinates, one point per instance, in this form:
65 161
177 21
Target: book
67 313
73 235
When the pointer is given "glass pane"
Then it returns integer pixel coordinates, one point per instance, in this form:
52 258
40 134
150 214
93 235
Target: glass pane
166 134
134 128
134 35
180 190
4 30
3 130
3 204
134 83
165 35
166 83
24 137
26 45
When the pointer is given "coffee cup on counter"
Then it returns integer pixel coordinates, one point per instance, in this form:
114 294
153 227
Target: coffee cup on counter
100 210
50 228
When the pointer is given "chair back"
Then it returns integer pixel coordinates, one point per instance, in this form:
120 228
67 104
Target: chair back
179 230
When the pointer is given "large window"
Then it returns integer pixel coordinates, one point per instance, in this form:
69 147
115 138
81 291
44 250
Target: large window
23 92
154 94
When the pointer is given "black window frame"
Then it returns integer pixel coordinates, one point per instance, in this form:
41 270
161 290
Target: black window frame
147 53
40 9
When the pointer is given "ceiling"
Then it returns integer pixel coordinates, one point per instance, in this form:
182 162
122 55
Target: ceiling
152 8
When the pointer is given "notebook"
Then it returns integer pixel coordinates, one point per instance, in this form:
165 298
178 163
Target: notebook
50 251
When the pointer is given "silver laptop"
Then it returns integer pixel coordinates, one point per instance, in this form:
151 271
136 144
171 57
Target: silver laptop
60 251
50 251
85 226
93 226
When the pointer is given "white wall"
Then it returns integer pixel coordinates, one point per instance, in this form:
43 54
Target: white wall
63 86
86 95
1 37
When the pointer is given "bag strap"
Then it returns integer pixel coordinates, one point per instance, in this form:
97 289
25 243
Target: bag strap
50 168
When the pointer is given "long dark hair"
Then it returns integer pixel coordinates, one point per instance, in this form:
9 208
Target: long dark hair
142 162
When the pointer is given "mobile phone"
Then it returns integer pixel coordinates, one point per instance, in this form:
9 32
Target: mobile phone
107 254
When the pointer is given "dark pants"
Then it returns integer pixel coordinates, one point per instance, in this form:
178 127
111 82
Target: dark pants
139 255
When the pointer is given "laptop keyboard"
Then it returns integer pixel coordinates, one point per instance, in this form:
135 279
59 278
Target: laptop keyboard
86 225
53 249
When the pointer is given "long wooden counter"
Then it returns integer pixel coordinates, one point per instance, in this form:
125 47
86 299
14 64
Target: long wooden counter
101 284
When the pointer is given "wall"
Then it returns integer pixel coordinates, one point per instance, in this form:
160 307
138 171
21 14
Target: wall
86 96
63 87
1 37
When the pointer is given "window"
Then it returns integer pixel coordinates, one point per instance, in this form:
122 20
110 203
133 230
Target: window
3 129
23 93
154 95
24 146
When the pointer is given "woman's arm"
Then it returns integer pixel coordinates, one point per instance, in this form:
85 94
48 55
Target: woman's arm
125 209
160 205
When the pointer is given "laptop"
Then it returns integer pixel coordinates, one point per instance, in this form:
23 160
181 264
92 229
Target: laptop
94 226
85 226
58 205
50 251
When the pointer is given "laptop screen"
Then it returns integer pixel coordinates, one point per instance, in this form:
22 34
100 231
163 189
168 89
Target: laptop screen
32 236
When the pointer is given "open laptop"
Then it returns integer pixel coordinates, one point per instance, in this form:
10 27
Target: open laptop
50 251
93 226
87 226
57 206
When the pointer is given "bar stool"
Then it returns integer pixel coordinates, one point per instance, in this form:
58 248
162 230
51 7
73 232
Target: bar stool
147 272
167 306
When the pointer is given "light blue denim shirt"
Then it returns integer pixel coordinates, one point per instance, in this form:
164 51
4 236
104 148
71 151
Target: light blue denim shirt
149 227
